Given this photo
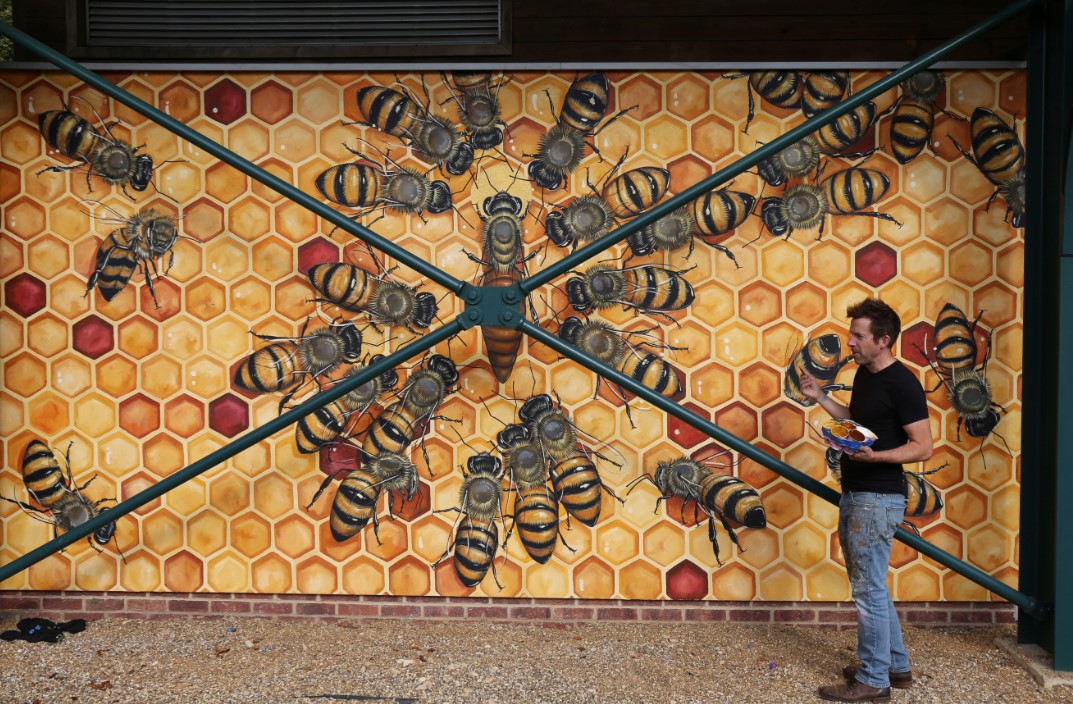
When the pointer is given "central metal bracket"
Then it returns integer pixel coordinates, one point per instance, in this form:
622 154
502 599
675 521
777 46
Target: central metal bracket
492 305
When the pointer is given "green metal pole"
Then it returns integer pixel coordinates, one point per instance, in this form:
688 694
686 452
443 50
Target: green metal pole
770 149
229 157
425 342
1029 604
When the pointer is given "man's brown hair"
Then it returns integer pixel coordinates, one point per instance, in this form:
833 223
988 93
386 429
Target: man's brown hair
884 320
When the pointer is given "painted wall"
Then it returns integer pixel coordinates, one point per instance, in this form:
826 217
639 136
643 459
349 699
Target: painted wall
139 391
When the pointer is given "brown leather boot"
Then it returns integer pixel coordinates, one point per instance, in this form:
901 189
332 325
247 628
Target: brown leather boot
854 692
901 680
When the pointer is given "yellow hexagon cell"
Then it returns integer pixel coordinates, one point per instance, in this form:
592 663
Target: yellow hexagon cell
829 264
1005 508
226 259
734 582
96 572
228 572
806 304
759 384
48 256
94 414
640 580
712 385
250 299
230 494
70 376
117 376
187 498
161 376
694 343
25 219
712 138
845 296
206 377
206 533
736 344
363 575
142 572
316 576
249 219
827 583
989 548
225 183
180 181
181 337
250 534
293 298
781 583
617 542
998 302
903 298
968 184
805 545
759 304
249 139
294 141
966 90
295 222
271 575
393 541
924 178
640 507
319 101
970 263
688 96
664 543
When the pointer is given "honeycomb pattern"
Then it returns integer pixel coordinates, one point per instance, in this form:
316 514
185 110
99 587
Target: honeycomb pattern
142 387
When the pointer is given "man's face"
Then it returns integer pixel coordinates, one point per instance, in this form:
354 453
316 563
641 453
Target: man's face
864 348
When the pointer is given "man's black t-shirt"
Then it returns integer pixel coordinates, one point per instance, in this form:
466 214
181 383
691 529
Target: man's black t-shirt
884 403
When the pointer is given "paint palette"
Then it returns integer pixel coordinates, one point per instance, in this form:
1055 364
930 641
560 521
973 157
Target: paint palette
847 434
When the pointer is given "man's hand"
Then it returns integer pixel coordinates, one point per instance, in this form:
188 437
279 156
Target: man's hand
810 388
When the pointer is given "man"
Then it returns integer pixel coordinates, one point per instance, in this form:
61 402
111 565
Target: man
888 400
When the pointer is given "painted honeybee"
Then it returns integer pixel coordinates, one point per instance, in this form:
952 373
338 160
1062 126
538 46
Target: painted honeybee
286 361
804 206
592 216
370 186
356 498
504 265
666 234
821 90
847 130
795 161
647 288
821 358
923 497
914 114
401 423
998 154
383 299
966 385
326 424
478 107
563 145
598 340
780 88
63 505
536 511
436 140
142 240
476 537
115 161
717 213
715 495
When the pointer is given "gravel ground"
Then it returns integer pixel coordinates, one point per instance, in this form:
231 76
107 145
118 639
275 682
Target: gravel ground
254 660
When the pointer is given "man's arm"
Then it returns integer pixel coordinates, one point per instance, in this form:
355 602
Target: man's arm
812 390
917 449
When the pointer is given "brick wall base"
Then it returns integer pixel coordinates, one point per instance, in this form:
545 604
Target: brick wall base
303 607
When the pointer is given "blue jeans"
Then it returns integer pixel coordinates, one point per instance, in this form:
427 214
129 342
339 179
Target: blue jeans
866 524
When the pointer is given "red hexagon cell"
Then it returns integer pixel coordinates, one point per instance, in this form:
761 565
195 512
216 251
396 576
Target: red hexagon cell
139 415
319 251
415 507
687 581
229 415
685 434
338 459
875 264
25 294
225 102
914 341
93 337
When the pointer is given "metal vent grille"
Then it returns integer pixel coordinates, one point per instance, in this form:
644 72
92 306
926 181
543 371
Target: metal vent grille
264 23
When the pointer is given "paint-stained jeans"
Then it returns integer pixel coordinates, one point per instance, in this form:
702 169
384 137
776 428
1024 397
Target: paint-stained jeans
866 525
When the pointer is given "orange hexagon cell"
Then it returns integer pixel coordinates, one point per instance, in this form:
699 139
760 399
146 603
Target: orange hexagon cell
363 575
316 576
712 138
759 304
228 572
293 298
393 541
249 219
271 102
829 264
206 533
594 579
183 572
273 495
137 337
163 454
640 580
997 301
759 384
827 583
181 337
225 183
410 577
294 535
250 299
781 583
22 144
25 218
139 416
250 534
736 344
205 299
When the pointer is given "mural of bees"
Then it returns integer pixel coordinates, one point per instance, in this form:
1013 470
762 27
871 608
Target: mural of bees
253 307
